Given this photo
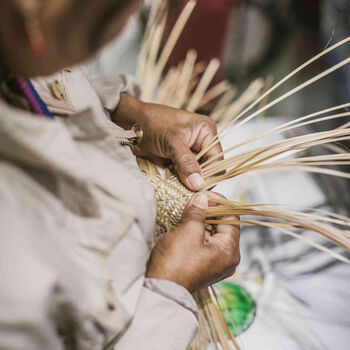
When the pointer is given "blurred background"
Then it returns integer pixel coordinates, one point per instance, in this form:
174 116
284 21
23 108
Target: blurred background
253 38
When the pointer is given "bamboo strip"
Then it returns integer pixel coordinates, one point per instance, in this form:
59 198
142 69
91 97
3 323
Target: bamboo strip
268 85
268 210
214 92
250 95
148 91
166 85
221 106
288 232
225 202
206 79
281 128
223 321
170 44
282 81
184 79
295 90
216 318
205 308
270 152
156 13
291 220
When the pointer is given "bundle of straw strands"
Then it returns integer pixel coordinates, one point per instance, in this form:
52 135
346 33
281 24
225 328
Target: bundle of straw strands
188 86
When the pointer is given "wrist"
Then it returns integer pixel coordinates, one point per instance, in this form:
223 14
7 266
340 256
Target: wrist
128 112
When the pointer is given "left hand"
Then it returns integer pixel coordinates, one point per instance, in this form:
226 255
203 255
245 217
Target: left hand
171 134
193 257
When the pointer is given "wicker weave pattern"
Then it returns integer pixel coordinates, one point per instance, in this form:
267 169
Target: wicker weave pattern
172 197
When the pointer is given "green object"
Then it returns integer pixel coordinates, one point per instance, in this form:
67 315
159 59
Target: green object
238 306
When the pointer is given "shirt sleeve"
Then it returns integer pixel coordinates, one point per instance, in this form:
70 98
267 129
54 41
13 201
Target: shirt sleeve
47 299
109 88
166 318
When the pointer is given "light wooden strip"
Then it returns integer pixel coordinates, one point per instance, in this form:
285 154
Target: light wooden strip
215 319
251 94
223 104
203 85
214 92
294 72
185 78
223 321
282 128
268 85
272 225
172 40
147 87
157 12
285 147
246 160
295 90
209 321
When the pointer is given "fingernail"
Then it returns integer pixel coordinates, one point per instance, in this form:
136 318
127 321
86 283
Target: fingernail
196 181
200 200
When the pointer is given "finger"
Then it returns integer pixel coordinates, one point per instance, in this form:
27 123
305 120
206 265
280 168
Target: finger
228 229
187 166
205 137
207 235
196 209
213 151
226 239
208 227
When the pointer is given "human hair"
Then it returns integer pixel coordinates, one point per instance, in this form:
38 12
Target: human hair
105 12
106 17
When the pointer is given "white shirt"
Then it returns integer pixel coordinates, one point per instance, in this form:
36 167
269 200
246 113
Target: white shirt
77 220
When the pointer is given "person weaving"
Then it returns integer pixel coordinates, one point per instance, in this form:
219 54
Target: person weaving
77 216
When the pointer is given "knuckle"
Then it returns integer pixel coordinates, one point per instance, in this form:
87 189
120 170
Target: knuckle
235 234
235 229
233 256
231 244
170 137
227 259
210 125
186 160
174 139
236 258
233 247
185 165
213 126
230 272
228 255
205 124
210 122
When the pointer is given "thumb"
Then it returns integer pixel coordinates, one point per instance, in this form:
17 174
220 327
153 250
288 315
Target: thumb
187 167
196 209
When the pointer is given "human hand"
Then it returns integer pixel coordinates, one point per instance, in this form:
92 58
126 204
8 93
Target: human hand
172 134
193 257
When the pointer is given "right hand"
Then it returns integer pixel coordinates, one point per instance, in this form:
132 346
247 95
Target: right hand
171 134
188 255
